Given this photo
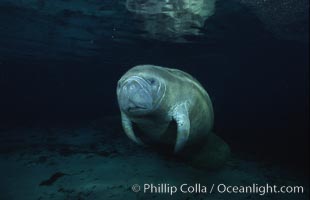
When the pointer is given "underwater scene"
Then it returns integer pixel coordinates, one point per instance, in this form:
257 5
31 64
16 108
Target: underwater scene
154 99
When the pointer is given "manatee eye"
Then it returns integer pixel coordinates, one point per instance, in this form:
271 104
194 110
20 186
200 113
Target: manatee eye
151 81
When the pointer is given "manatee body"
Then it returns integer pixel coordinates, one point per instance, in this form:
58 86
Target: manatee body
164 107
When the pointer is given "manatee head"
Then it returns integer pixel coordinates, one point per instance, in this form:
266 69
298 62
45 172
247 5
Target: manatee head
140 91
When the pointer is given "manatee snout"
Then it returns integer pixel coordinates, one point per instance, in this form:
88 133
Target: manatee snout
134 95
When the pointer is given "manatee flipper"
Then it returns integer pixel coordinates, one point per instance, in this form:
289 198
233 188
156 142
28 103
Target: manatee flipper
127 126
212 155
180 115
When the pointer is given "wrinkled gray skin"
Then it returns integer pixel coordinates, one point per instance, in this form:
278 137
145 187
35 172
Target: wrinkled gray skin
152 97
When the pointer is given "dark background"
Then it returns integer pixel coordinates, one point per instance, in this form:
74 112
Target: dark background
61 67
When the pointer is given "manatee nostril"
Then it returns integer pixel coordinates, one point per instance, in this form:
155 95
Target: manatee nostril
133 87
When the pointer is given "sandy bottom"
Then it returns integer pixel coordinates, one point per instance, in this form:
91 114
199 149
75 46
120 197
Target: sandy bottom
97 161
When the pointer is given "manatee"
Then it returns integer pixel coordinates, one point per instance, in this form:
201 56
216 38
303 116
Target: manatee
169 109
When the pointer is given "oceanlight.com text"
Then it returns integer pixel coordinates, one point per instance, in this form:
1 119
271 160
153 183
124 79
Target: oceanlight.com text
170 189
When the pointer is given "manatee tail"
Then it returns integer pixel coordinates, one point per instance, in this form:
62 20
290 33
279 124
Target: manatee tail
213 155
